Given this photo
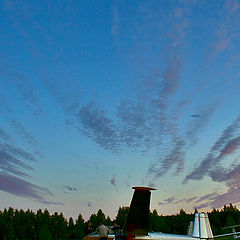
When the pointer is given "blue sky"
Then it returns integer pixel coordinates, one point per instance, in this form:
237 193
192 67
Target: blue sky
100 96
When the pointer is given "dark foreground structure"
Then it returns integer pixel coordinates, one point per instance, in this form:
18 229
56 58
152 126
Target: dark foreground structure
19 224
138 222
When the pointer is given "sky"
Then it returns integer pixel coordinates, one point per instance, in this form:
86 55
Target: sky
100 96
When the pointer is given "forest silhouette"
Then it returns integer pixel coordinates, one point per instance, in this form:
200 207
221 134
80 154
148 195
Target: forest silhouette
25 225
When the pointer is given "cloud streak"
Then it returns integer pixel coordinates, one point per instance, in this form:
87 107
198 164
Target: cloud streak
13 159
230 147
198 124
226 31
89 204
116 19
231 177
224 146
3 135
174 200
22 188
28 93
19 129
98 127
176 158
23 133
141 120
14 163
25 87
113 181
68 189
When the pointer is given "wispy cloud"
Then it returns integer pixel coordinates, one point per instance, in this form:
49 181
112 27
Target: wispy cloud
174 200
22 132
16 151
167 201
13 159
171 75
23 188
113 180
134 129
3 135
14 165
98 127
175 158
231 178
233 6
225 33
140 121
230 147
186 200
144 120
28 93
4 106
207 197
116 19
18 128
68 188
198 124
25 87
90 204
224 145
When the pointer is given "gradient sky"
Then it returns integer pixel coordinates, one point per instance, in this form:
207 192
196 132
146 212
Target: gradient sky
100 96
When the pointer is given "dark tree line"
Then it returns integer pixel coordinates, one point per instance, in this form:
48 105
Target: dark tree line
26 225
178 224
